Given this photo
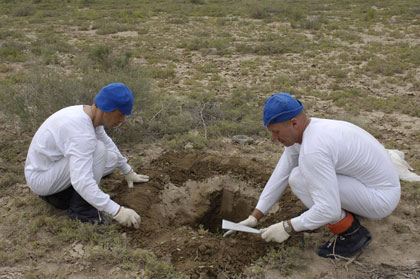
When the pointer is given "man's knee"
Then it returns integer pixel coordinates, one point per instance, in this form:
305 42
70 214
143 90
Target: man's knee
111 160
296 179
298 186
382 209
100 151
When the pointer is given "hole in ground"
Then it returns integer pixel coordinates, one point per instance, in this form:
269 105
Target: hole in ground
189 190
225 204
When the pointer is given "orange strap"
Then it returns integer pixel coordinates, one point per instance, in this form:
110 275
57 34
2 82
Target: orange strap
343 225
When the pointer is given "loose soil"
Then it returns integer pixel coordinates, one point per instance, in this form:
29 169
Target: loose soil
183 205
189 194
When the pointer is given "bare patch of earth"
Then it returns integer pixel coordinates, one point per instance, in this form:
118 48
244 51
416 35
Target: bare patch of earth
183 205
191 192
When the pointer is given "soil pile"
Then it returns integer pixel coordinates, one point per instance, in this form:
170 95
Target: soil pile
183 205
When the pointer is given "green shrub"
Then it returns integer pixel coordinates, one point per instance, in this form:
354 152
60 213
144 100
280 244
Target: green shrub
258 13
24 10
197 1
105 28
45 92
347 36
102 57
194 140
160 73
311 23
12 52
386 67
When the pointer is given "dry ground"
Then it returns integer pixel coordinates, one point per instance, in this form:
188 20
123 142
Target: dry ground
358 62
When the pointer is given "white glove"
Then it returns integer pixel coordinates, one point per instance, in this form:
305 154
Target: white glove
275 233
251 222
134 177
128 217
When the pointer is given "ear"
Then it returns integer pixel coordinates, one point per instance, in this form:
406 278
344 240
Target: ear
294 122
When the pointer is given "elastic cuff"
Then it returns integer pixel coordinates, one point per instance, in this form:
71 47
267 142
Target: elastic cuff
112 208
343 225
126 168
297 224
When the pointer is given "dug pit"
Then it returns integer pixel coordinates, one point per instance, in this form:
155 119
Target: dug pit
183 204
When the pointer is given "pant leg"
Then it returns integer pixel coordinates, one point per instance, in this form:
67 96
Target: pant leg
79 208
111 162
52 181
60 200
60 193
298 185
374 203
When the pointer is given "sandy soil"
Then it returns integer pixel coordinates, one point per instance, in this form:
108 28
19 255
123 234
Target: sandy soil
191 192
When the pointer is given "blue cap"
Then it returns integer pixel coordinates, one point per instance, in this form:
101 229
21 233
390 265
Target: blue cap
115 96
280 107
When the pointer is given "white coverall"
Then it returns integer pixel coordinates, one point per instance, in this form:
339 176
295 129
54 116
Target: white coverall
67 149
338 166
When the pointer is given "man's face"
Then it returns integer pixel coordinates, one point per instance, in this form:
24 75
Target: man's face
113 118
284 132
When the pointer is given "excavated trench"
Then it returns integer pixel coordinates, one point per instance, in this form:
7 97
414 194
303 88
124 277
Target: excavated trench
183 205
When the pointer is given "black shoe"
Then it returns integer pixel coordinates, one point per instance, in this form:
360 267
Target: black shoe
348 243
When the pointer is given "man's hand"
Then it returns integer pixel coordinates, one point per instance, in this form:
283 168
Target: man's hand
128 217
133 177
275 233
250 222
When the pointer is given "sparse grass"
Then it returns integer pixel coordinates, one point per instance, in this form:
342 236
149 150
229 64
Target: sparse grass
385 66
105 28
100 243
410 190
8 179
200 70
346 36
12 52
401 228
284 258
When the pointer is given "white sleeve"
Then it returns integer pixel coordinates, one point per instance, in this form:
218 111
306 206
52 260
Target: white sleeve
110 145
80 153
278 181
320 177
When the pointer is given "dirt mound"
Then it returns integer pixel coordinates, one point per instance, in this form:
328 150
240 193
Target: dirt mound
183 204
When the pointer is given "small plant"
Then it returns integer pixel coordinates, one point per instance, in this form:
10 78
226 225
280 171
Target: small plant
12 52
259 13
190 140
9 179
284 259
401 228
410 190
347 36
24 10
198 1
386 67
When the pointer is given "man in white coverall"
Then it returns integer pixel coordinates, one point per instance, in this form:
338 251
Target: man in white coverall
71 152
335 168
